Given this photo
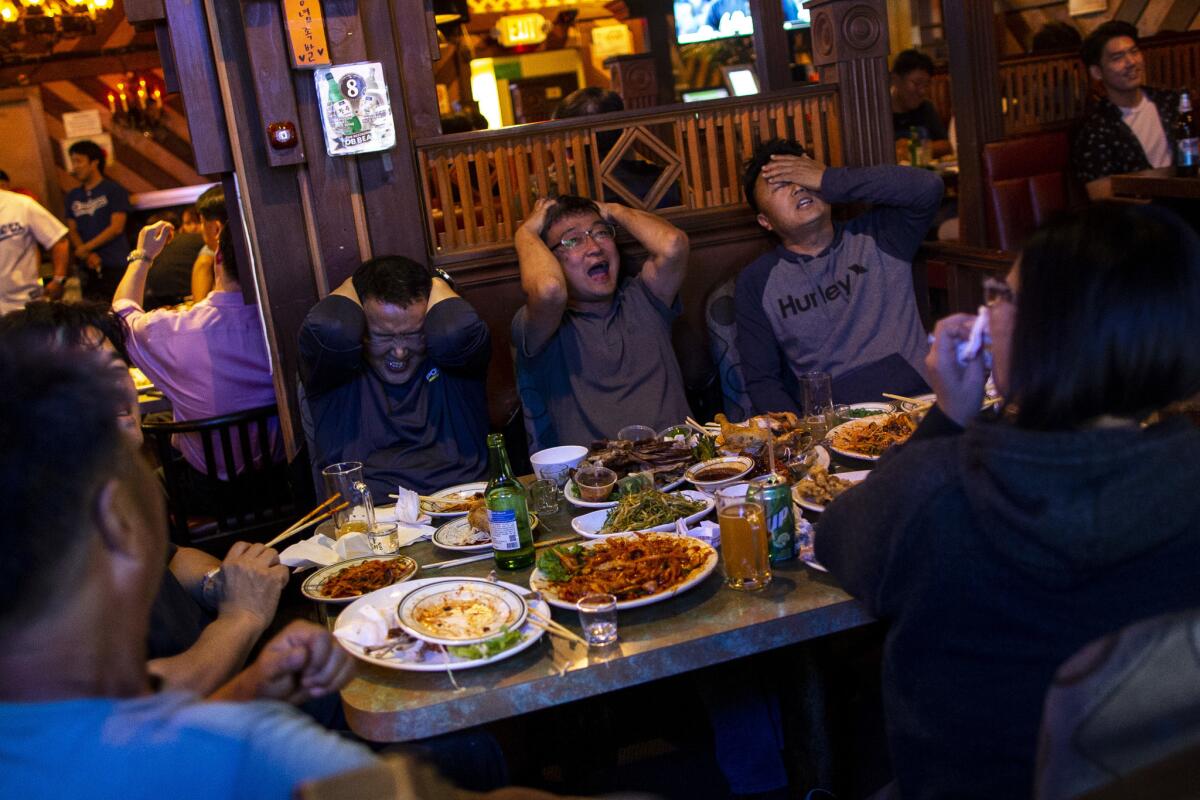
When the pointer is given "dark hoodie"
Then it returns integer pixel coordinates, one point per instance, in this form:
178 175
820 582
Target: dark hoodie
995 553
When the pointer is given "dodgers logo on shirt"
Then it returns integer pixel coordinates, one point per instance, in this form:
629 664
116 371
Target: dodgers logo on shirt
10 230
88 208
432 375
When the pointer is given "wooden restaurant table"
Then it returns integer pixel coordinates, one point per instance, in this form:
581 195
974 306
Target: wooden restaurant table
1158 184
706 625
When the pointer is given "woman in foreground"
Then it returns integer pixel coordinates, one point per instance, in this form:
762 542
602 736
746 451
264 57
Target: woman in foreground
996 547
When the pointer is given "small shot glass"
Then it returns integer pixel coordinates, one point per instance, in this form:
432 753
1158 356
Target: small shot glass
383 539
840 413
544 496
598 617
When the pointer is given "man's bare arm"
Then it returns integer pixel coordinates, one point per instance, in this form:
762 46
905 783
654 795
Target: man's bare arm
542 279
667 246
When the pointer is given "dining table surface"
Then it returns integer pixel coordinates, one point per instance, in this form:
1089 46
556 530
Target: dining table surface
705 625
1161 183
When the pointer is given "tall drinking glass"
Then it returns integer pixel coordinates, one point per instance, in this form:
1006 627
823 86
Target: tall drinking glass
745 549
816 395
345 479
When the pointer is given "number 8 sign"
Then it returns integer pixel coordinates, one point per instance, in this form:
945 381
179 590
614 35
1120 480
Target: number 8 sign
356 112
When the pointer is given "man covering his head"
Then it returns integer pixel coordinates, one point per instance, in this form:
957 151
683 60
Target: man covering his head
593 348
393 364
834 298
1130 128
79 716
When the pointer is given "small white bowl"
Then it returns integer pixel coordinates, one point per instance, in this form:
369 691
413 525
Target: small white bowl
556 463
696 471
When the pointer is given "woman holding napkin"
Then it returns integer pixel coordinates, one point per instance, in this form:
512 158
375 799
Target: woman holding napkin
996 547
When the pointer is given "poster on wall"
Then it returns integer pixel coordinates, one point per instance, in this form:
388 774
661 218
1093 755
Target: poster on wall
356 112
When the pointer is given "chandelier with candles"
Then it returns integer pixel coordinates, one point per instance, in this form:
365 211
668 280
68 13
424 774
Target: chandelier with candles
32 25
137 104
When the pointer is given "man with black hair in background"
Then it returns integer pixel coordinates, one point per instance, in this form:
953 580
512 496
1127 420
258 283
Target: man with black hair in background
1130 128
96 214
912 77
393 366
210 206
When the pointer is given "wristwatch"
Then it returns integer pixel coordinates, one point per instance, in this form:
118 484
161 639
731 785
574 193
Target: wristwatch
438 272
209 588
136 255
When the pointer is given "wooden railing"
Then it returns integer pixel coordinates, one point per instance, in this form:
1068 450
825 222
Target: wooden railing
692 160
1048 91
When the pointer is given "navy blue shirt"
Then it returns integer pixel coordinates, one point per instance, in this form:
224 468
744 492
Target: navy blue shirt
427 433
92 210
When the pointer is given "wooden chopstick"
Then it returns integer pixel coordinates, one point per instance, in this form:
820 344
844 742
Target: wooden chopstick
904 399
302 524
555 628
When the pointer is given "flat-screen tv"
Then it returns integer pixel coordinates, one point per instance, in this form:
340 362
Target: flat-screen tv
794 15
704 20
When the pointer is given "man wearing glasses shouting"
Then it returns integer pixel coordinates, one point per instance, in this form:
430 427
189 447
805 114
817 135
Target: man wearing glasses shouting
593 347
393 364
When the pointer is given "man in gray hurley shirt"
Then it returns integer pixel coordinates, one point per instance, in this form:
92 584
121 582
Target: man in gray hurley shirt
593 350
834 298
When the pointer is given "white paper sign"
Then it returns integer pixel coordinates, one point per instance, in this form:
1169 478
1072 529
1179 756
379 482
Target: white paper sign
355 110
81 124
1077 8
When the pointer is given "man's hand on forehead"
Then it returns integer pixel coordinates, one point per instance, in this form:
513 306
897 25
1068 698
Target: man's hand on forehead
801 170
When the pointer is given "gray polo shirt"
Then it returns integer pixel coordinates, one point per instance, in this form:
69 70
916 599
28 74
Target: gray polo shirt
602 371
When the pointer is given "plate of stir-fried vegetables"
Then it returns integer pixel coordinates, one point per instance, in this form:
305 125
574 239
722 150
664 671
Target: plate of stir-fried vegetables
638 569
650 510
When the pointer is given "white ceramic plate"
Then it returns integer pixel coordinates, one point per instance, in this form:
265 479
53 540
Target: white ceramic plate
433 659
852 453
311 588
464 489
589 525
578 501
481 609
539 583
444 536
853 477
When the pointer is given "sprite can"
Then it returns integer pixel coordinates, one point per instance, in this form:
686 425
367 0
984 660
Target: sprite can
776 497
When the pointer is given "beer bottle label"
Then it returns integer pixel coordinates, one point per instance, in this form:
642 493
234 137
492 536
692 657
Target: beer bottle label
505 535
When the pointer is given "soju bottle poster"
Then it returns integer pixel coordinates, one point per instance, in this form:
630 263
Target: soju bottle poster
355 110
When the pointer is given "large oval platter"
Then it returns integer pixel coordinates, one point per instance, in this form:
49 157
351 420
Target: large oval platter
540 583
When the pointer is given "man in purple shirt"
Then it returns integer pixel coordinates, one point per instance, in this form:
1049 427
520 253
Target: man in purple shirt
208 360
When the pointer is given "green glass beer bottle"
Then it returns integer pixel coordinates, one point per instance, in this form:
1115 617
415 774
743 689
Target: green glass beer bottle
508 511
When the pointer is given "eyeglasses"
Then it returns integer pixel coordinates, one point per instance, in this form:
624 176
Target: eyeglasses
996 291
603 232
382 341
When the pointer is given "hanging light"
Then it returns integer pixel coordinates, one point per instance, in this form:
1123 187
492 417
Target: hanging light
34 25
8 11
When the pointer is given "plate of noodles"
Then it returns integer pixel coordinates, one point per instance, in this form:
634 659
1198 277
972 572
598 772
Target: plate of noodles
638 569
348 580
870 437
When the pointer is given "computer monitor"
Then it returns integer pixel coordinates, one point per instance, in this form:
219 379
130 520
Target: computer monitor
795 16
719 93
740 79
700 21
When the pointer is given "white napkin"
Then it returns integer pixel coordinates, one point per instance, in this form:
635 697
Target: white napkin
705 531
408 507
369 628
321 551
979 336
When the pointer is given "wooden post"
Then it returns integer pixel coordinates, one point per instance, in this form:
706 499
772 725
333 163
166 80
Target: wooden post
635 79
850 47
975 91
774 57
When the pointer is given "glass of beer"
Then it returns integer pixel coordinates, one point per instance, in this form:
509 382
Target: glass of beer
345 479
745 552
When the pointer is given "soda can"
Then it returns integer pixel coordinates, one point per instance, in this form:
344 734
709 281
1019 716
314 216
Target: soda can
776 497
